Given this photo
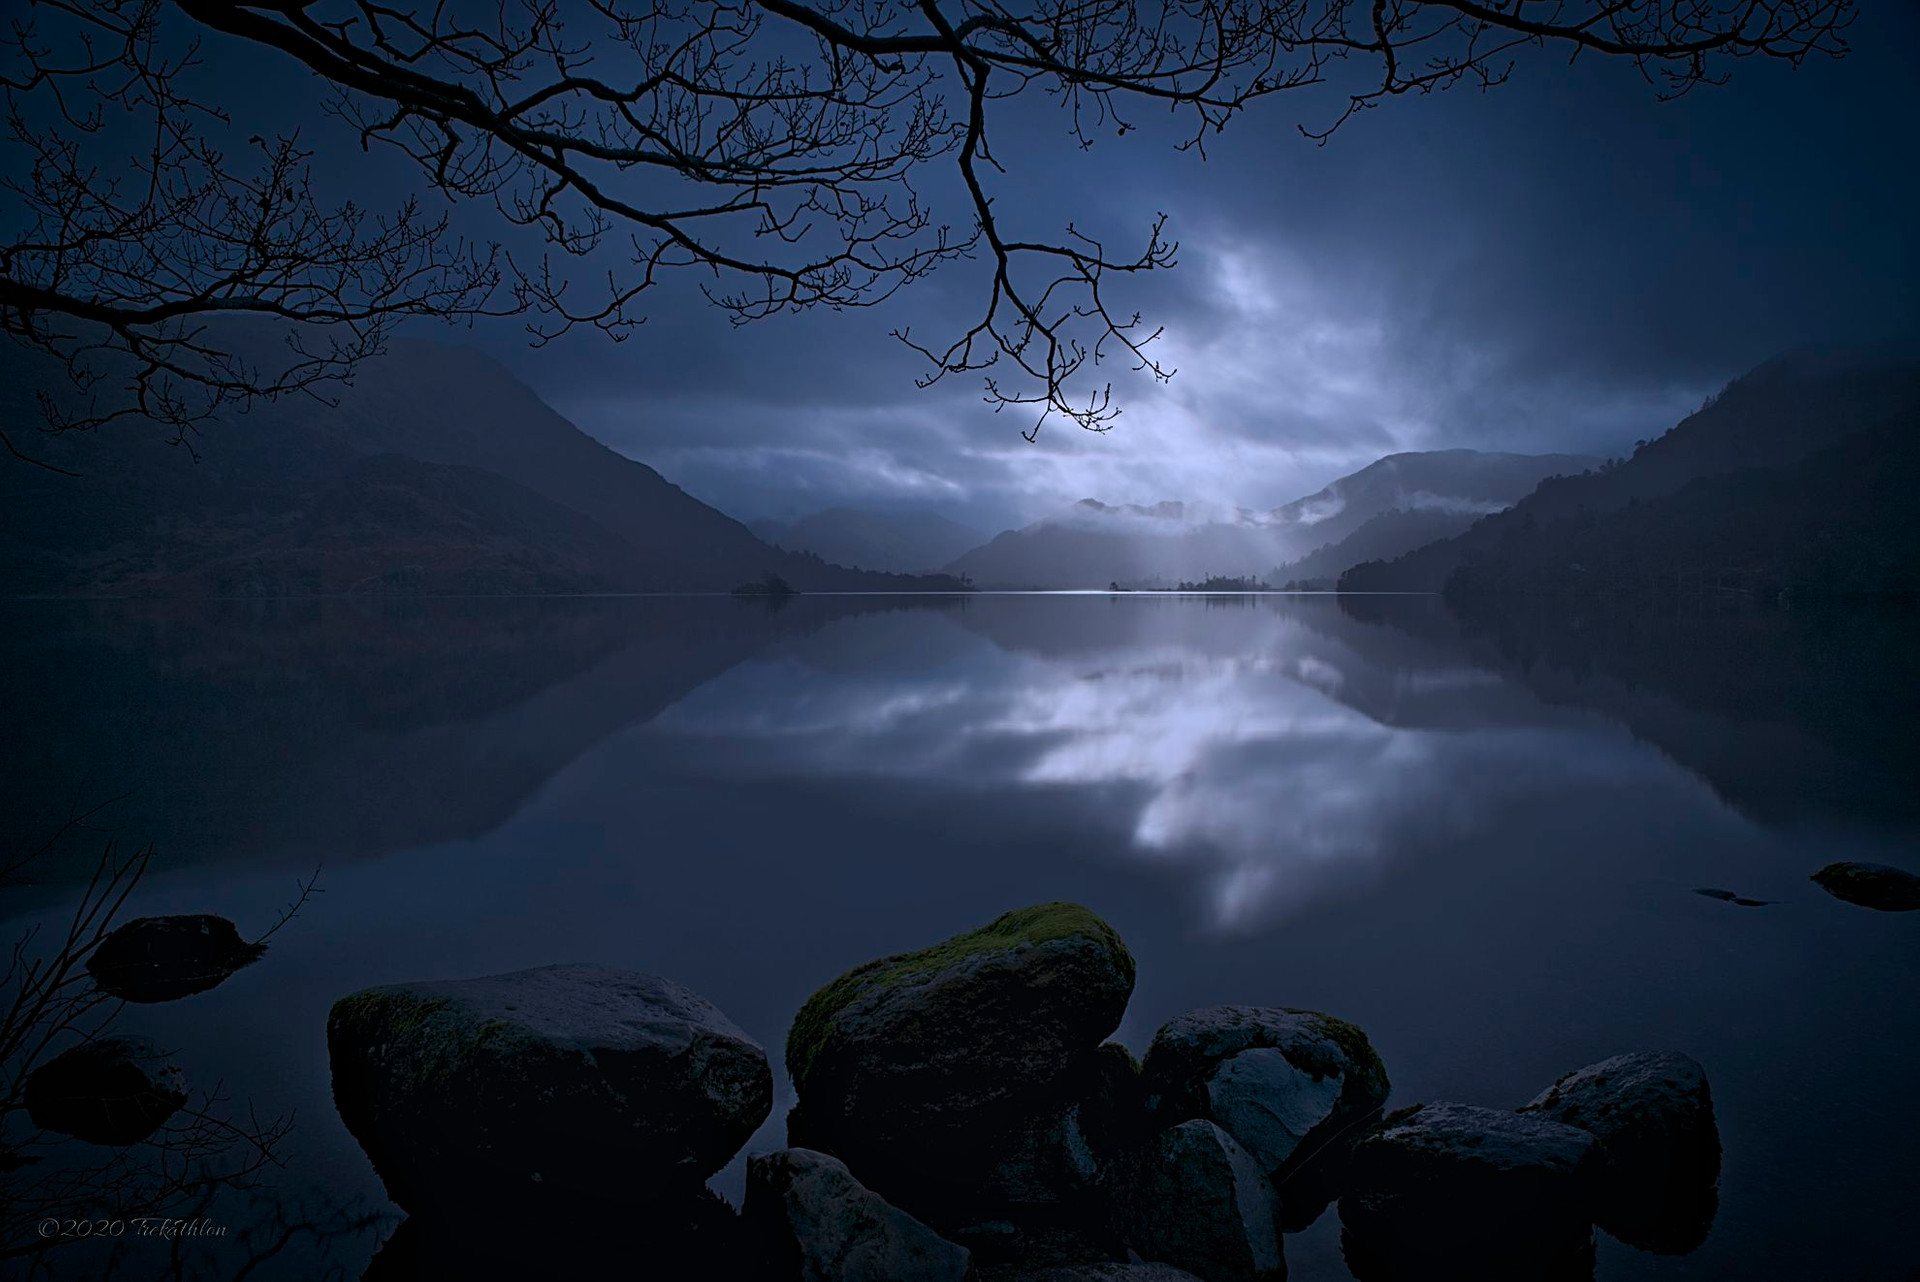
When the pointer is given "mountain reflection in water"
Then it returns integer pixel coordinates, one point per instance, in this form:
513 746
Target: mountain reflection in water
1478 839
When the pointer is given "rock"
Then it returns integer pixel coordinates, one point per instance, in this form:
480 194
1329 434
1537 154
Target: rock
693 1234
1454 1191
926 1068
1099 1273
159 959
1200 1202
1891 890
822 1225
1292 1086
563 1082
1653 1115
112 1090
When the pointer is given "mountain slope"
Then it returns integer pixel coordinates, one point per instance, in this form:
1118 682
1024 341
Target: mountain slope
484 488
1772 418
1094 543
1389 534
902 542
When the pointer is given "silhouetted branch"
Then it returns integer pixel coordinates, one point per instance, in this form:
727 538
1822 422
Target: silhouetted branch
772 146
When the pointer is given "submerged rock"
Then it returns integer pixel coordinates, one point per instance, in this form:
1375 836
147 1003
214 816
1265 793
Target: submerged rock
160 959
1889 889
973 1064
567 1081
1201 1203
1653 1115
112 1090
1454 1191
1728 896
819 1224
1292 1086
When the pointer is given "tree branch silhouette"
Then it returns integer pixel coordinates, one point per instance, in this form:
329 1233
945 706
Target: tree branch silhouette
773 148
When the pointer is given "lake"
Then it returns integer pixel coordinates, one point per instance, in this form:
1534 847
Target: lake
1477 839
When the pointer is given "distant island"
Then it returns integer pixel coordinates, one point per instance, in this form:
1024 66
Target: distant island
768 584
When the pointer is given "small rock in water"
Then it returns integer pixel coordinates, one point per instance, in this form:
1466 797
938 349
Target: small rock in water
1653 1115
1889 889
819 1224
1454 1191
563 1083
161 959
112 1090
1292 1086
1201 1203
1714 892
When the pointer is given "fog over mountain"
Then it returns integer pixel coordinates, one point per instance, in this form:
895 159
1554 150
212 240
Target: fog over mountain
903 542
1094 543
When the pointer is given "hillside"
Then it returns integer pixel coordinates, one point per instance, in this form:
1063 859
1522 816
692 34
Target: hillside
436 472
1769 420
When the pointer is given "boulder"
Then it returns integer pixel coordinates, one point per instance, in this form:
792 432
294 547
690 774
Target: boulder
819 1224
1294 1087
159 959
929 1070
1201 1203
565 1082
1098 1273
1660 1148
1454 1191
112 1090
1891 890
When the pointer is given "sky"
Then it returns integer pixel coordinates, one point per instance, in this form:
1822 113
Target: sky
1562 263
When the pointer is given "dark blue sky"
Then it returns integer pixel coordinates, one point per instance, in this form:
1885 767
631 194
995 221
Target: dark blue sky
1560 263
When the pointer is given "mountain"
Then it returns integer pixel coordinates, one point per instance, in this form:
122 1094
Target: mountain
1797 474
1094 543
436 472
1387 535
902 542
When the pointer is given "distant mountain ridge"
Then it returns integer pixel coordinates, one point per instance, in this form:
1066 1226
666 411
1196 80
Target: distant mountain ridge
1093 543
1797 473
437 472
900 542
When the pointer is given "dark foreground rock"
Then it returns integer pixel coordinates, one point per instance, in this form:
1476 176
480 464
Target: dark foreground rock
161 959
965 1081
686 1235
818 1224
112 1090
1201 1203
1653 1115
1294 1087
1889 889
1454 1191
1097 1273
566 1082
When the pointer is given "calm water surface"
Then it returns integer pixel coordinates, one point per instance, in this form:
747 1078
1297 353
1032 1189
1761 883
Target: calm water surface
1478 841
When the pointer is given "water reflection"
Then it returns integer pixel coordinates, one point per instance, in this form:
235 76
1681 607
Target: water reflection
1282 753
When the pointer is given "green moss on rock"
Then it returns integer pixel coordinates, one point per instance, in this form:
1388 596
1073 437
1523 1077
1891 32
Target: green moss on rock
1007 933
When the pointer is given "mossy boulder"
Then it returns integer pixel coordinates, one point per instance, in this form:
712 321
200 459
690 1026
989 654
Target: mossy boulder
1881 886
1455 1191
1200 1202
817 1223
932 1043
1660 1148
1294 1087
161 959
564 1082
111 1090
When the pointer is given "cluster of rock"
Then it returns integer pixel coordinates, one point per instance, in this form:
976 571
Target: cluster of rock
118 1091
961 1115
